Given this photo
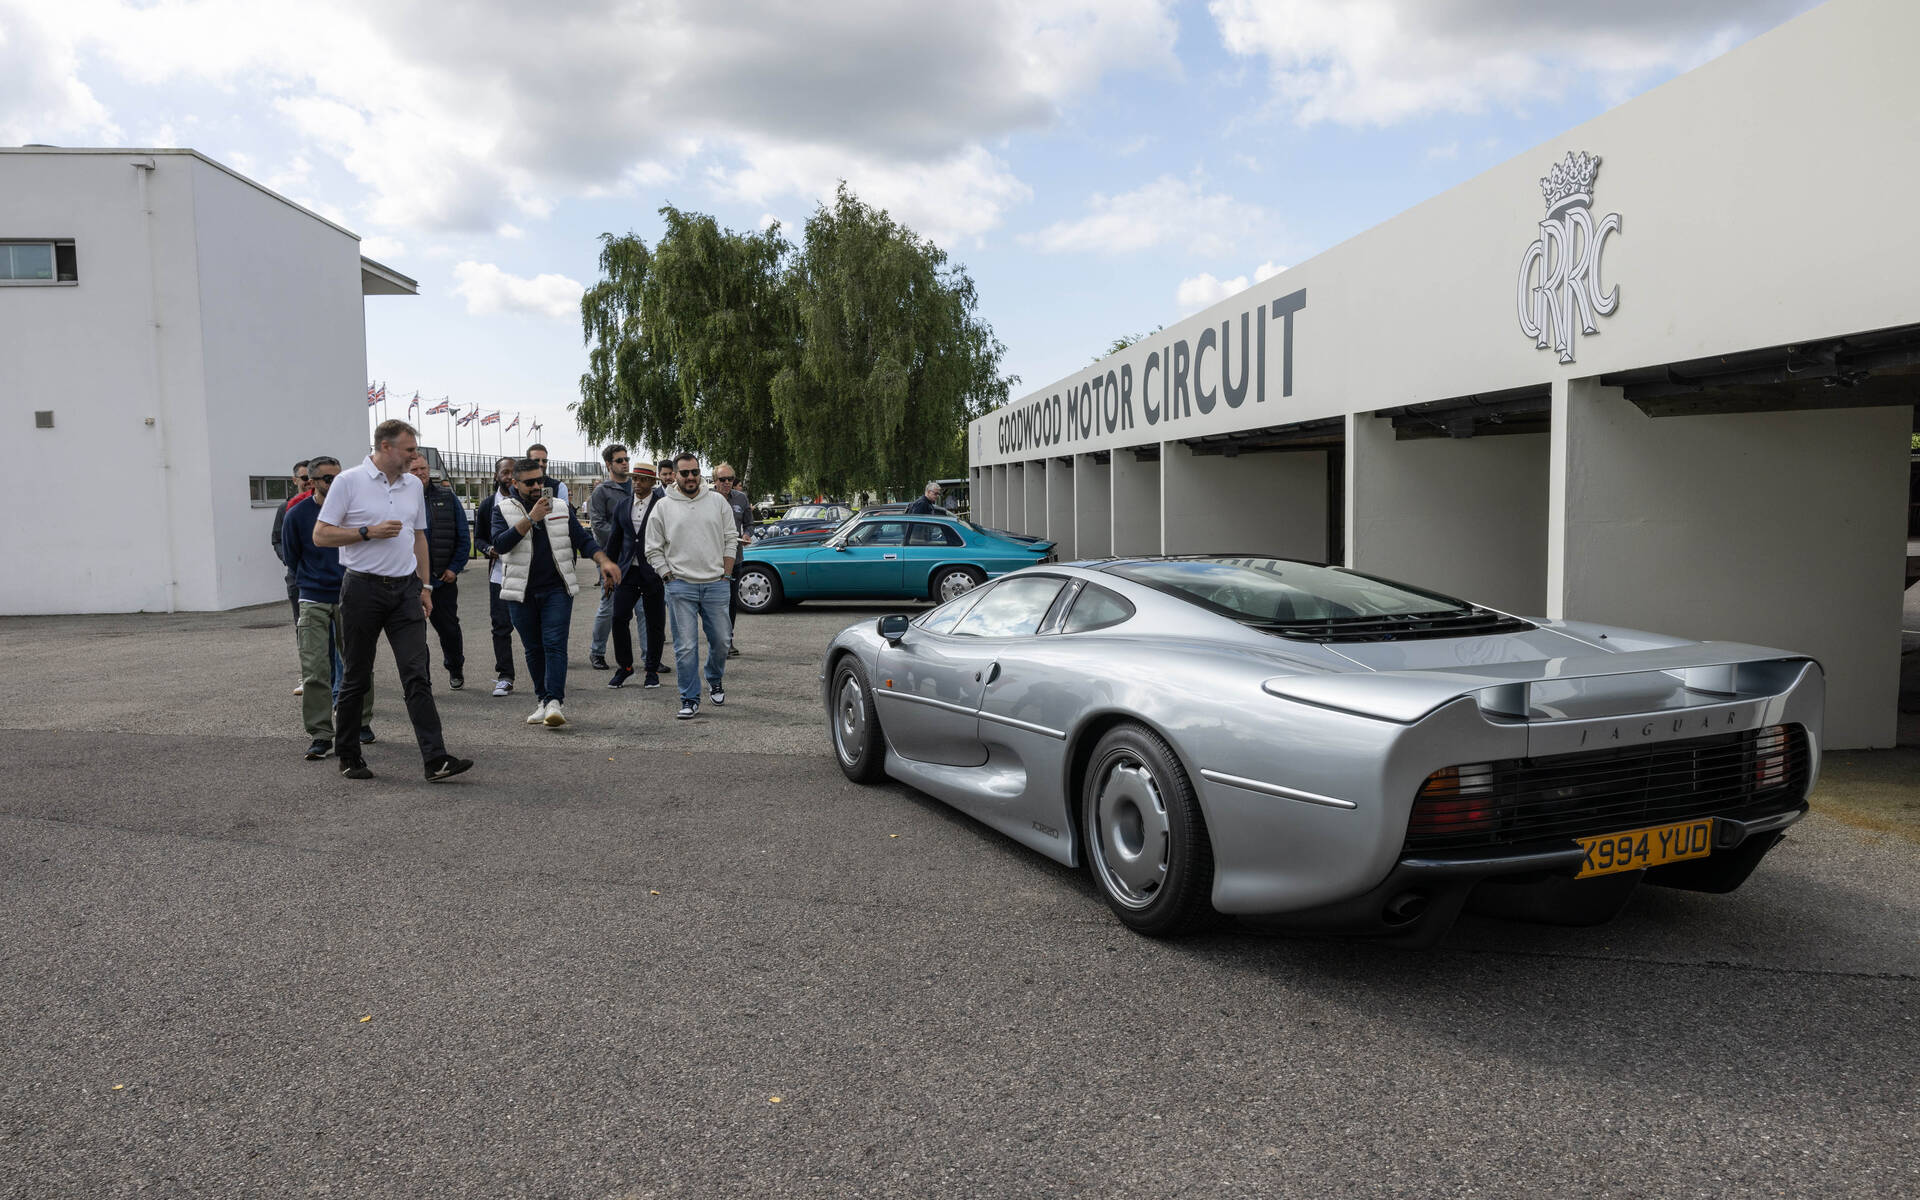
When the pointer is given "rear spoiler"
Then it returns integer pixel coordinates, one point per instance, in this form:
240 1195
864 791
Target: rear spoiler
1718 672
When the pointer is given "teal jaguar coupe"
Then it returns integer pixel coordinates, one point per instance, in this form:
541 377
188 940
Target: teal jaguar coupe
887 557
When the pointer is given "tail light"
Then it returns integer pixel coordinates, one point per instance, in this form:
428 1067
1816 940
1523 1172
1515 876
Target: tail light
1455 800
1772 755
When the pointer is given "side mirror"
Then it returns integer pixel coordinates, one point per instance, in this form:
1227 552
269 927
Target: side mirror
840 549
893 627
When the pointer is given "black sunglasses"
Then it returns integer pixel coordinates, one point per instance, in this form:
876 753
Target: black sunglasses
723 479
328 478
695 471
619 460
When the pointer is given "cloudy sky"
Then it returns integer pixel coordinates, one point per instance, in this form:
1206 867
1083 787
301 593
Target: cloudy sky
1100 166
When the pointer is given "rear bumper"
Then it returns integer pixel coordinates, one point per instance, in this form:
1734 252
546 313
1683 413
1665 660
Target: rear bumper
1422 895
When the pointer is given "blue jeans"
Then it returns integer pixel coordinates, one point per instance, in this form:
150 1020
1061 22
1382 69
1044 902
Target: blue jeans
690 605
542 619
602 626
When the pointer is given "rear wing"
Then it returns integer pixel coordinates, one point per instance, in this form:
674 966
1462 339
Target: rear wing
1677 677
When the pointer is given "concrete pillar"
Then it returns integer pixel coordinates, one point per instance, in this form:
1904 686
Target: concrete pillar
1036 511
1092 507
1251 504
1061 486
1000 496
1785 529
1136 504
1464 516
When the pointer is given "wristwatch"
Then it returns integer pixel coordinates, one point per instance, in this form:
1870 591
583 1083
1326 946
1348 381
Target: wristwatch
363 533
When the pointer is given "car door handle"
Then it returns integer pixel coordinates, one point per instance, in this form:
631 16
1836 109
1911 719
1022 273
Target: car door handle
885 556
993 673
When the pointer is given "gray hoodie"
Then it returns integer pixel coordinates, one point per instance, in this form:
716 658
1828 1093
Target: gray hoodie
690 537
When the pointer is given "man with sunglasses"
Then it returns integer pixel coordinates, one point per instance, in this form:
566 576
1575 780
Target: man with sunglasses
615 492
691 543
302 488
318 572
726 482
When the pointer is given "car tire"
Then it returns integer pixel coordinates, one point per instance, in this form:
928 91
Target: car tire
1145 836
760 590
853 724
951 582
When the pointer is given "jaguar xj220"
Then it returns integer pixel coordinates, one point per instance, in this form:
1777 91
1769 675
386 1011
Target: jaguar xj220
1316 748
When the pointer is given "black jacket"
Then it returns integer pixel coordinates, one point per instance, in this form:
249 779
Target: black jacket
446 521
924 507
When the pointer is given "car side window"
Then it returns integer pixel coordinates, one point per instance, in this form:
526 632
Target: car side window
925 533
879 533
1013 608
1096 608
943 619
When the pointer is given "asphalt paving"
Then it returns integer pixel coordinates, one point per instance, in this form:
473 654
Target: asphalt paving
639 957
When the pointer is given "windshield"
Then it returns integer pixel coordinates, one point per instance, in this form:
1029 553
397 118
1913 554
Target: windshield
811 512
1277 591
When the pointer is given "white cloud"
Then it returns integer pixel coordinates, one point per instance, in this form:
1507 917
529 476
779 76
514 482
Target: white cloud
1203 290
454 125
1376 62
489 291
1167 211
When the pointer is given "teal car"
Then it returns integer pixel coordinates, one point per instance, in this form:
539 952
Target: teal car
888 557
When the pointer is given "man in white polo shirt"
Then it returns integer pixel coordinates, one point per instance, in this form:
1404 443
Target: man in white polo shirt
376 513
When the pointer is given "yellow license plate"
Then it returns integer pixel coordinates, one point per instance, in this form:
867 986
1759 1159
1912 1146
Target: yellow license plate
1637 849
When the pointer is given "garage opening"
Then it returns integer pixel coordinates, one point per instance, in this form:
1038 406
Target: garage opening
1453 494
1275 491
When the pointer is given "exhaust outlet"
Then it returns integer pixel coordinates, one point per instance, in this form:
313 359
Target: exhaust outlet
1404 908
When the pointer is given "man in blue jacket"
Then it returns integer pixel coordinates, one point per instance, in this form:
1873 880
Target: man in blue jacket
449 546
317 574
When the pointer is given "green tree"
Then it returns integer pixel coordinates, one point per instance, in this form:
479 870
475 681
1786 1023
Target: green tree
892 359
629 391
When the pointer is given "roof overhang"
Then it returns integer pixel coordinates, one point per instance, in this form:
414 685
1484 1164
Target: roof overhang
377 279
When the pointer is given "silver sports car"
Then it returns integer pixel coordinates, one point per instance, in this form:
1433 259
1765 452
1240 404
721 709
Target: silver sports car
1326 750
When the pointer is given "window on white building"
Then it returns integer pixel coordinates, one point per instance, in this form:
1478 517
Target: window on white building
270 491
38 261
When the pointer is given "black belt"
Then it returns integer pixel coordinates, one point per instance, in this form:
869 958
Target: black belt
385 578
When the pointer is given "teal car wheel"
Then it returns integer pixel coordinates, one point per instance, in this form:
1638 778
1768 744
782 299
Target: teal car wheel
760 590
950 582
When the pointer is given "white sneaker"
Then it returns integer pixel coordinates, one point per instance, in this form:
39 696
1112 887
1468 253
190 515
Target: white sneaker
300 689
503 687
539 716
555 718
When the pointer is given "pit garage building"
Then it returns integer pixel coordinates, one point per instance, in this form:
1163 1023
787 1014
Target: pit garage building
1659 372
173 337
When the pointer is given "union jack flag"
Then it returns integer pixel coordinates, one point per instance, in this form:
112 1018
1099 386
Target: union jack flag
468 418
373 396
512 423
439 408
492 418
416 402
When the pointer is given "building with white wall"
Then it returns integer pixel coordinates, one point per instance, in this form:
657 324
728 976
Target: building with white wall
1658 372
170 332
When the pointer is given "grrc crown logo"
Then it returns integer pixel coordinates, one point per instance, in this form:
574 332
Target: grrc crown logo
1560 273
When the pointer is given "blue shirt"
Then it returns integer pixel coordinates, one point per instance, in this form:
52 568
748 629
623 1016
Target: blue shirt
316 569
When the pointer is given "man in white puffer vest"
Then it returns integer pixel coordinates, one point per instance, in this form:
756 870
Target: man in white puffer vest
537 585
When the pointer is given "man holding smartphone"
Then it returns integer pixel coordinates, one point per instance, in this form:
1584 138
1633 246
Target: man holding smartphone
538 584
376 514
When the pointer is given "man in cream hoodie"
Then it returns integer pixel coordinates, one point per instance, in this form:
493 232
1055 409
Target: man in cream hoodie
691 544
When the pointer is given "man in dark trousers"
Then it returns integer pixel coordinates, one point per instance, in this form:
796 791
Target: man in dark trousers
639 585
317 568
496 607
617 486
376 515
726 481
449 545
302 488
531 533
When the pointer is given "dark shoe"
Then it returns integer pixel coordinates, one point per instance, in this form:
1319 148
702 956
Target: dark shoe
620 677
598 662
366 735
733 651
320 749
446 767
456 682
689 709
652 680
355 770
